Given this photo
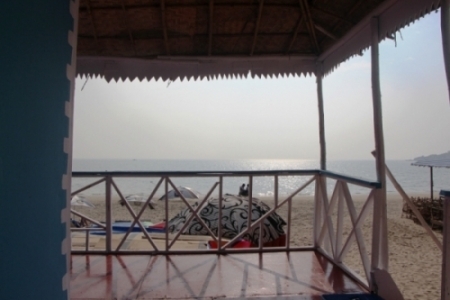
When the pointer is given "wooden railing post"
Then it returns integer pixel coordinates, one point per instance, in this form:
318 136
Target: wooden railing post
445 281
108 217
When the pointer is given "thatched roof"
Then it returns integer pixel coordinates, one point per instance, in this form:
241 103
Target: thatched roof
197 38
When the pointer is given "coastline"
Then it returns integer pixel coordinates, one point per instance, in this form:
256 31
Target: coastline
415 261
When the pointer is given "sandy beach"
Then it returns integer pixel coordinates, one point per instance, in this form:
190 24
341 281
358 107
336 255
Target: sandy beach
415 261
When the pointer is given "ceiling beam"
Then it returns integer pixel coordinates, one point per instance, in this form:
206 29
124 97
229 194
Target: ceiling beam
331 15
258 20
94 29
295 34
201 36
326 32
309 24
349 12
182 4
125 18
164 27
210 29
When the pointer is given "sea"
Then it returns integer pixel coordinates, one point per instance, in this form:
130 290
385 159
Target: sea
413 179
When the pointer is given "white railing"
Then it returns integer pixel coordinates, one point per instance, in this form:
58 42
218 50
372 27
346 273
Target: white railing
329 214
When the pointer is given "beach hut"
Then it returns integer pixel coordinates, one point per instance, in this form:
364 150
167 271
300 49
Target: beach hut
433 161
47 43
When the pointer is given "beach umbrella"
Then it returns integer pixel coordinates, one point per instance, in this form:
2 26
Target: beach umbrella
136 199
187 193
234 220
433 161
80 201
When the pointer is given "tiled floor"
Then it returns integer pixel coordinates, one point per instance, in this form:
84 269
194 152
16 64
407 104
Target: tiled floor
280 275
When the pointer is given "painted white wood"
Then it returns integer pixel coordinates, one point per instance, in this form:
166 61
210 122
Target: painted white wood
250 200
355 276
219 230
332 239
108 217
386 287
358 232
191 209
288 235
317 212
166 207
275 189
195 214
256 223
413 207
445 275
88 186
328 213
445 281
340 222
323 155
135 219
380 256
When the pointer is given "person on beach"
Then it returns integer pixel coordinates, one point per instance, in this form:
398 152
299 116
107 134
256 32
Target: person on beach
242 190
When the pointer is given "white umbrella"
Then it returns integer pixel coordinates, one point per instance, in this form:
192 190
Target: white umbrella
80 201
187 193
434 160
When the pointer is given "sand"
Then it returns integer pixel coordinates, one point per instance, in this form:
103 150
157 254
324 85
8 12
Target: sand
415 261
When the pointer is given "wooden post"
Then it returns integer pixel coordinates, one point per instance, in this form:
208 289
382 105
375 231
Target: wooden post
445 281
108 217
445 33
431 182
379 239
319 76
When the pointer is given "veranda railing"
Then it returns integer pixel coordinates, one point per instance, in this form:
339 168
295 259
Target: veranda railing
328 235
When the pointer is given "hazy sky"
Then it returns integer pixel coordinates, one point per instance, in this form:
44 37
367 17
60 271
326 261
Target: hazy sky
275 118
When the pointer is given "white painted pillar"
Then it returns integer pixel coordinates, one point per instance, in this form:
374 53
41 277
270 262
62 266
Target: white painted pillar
323 157
320 181
380 253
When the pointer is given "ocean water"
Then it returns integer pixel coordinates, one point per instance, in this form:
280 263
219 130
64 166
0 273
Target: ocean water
412 178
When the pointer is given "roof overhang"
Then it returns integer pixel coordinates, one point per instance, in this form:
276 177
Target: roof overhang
392 15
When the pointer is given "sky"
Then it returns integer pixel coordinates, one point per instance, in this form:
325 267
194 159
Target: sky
275 118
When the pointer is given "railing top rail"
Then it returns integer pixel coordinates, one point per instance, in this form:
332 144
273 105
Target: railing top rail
353 180
330 174
193 173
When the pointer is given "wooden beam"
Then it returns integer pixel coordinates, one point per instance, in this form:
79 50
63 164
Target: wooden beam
211 19
326 32
445 35
331 15
351 10
255 34
295 34
94 29
200 36
164 27
309 24
130 35
323 151
109 6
